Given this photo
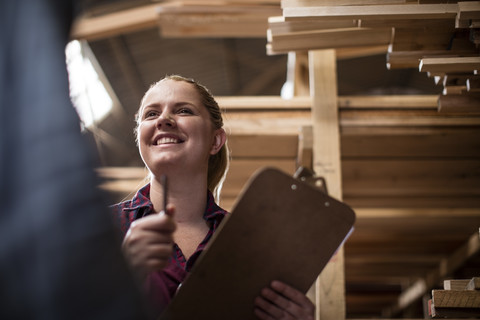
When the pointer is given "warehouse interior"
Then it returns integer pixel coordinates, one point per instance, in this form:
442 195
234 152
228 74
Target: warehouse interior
408 146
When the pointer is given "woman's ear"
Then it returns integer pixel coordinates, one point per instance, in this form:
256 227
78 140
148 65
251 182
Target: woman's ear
218 140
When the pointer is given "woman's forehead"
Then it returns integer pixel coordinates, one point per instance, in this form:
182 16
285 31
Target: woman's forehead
172 90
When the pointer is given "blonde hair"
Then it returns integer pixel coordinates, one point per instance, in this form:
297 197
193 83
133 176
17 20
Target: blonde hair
217 163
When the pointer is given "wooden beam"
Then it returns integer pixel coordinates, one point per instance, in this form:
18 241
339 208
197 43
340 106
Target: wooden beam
197 19
468 10
305 148
330 287
252 103
310 3
390 213
449 64
254 146
459 104
411 58
375 12
278 25
432 25
325 39
421 39
455 284
456 299
473 84
358 52
112 24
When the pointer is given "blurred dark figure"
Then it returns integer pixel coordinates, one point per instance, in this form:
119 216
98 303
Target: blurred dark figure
59 254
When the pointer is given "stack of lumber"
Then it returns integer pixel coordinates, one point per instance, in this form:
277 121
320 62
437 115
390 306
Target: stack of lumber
215 18
439 38
182 19
459 299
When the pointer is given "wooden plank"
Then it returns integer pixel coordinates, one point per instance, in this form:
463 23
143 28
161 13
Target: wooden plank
410 213
432 25
392 118
247 103
456 299
411 58
398 201
357 52
191 25
414 178
305 148
197 19
278 25
455 284
454 313
468 10
456 79
459 104
262 146
312 3
420 39
450 65
290 122
112 24
273 103
301 86
410 144
473 84
324 39
330 291
454 90
375 12
388 102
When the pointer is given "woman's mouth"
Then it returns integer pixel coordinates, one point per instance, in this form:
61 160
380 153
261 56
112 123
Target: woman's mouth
167 140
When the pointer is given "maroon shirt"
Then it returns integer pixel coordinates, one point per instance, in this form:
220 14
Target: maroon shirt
161 286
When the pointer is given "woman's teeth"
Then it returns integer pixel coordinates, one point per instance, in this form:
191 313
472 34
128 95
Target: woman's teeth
166 140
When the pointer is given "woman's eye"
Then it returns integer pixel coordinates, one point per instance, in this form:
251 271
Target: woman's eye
150 114
184 111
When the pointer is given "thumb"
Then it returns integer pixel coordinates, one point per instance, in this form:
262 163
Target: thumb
170 210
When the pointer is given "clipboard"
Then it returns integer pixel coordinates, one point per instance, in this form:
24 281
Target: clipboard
280 228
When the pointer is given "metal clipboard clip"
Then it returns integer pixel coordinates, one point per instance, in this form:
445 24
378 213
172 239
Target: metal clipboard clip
308 176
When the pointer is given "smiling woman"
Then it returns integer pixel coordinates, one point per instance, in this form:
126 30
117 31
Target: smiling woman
180 135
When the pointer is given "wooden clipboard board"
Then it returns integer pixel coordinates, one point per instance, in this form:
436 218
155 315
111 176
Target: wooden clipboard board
280 228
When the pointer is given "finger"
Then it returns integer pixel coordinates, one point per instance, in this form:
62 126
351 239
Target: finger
142 238
158 251
292 294
155 222
170 210
292 300
267 309
280 305
262 315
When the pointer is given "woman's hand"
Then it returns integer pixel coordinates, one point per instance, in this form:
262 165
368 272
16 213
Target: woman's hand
280 301
148 243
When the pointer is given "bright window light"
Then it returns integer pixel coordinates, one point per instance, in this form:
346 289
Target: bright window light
87 92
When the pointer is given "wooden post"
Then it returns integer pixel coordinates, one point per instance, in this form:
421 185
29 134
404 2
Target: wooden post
330 286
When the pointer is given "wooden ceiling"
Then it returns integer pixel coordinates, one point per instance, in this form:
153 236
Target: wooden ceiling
410 157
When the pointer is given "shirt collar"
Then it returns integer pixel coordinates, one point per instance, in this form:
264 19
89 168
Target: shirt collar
141 200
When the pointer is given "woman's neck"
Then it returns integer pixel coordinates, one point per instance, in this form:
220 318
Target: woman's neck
187 194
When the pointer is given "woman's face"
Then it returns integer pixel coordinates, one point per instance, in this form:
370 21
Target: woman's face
175 128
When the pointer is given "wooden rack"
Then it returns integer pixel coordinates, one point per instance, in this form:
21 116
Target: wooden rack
439 38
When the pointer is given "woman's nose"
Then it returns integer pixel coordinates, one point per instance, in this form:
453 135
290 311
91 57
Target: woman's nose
165 119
